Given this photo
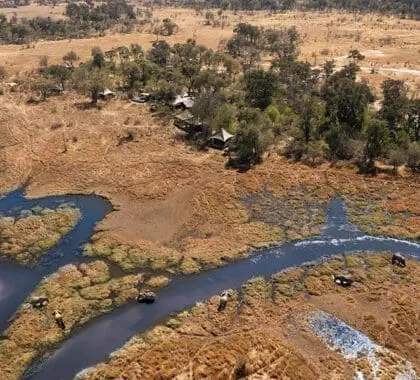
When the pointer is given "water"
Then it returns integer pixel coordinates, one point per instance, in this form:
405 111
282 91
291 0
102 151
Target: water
353 345
17 281
98 338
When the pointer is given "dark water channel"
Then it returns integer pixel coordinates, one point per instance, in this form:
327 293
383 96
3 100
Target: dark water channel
98 338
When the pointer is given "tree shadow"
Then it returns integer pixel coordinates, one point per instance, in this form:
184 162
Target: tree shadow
239 166
87 106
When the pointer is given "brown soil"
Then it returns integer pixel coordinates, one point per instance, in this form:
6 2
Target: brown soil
263 333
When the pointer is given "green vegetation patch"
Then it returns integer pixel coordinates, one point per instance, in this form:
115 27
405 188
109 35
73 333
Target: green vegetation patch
26 237
299 213
80 293
380 216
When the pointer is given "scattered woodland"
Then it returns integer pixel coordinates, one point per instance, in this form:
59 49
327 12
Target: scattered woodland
305 113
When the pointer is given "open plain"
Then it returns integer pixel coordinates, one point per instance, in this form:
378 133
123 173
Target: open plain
179 210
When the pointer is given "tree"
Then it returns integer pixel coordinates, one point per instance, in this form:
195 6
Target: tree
328 68
397 157
137 51
209 18
394 103
413 156
71 57
248 145
356 56
98 60
43 86
43 61
91 81
60 73
377 140
413 119
168 27
3 72
260 87
284 43
346 100
160 52
312 112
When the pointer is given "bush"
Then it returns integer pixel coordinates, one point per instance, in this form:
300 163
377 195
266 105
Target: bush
2 72
397 157
315 153
413 157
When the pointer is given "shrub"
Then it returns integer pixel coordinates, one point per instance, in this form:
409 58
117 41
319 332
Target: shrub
413 157
397 157
315 153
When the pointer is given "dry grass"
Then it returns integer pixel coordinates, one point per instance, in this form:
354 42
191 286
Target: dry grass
25 239
265 332
389 207
81 293
176 208
389 43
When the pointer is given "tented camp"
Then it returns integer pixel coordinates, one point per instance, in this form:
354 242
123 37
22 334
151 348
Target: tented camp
141 98
221 139
187 122
107 94
183 102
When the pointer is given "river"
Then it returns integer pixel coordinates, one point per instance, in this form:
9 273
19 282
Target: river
94 341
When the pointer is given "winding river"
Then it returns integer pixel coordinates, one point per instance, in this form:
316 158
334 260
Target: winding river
98 338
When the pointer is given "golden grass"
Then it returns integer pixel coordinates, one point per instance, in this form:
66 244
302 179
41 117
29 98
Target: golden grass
26 239
389 43
81 293
265 332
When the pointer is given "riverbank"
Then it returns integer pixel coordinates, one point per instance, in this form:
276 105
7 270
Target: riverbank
264 330
173 201
81 292
29 234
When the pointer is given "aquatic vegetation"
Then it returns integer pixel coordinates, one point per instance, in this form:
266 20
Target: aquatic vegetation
81 293
157 281
299 213
383 217
30 234
379 206
265 332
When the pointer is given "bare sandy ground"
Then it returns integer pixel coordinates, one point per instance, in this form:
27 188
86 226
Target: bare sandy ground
324 36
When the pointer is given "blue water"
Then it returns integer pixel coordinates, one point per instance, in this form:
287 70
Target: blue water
17 281
98 338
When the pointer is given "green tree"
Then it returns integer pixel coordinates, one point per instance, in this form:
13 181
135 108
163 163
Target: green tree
413 156
260 87
312 114
160 52
413 119
377 141
394 104
397 157
60 73
71 57
43 86
91 81
346 100
248 146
